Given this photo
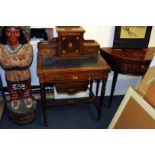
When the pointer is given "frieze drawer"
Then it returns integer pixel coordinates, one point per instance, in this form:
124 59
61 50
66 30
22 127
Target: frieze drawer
74 76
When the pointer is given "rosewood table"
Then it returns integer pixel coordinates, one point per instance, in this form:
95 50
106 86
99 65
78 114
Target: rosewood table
72 75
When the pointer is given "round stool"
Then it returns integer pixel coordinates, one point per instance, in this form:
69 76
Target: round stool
22 118
22 114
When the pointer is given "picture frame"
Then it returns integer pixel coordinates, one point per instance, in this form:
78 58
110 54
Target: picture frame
134 112
127 37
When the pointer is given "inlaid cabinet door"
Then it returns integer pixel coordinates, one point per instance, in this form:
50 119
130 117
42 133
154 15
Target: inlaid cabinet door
70 40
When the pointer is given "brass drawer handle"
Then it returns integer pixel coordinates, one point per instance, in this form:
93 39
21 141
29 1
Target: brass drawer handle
91 75
47 51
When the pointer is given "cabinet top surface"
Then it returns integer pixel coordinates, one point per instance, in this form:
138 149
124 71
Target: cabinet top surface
69 29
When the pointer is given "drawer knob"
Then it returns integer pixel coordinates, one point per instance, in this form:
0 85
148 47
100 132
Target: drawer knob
142 66
75 77
58 77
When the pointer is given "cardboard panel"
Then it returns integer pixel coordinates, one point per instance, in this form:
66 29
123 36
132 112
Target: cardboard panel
134 116
133 113
147 80
150 94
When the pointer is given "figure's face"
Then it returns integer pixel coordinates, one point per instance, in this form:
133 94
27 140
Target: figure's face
12 34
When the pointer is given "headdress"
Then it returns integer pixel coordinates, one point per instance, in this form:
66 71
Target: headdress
25 29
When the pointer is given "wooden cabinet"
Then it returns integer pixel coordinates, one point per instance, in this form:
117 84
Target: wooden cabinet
70 40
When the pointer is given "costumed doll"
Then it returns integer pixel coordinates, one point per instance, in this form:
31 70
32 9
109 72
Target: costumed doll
16 56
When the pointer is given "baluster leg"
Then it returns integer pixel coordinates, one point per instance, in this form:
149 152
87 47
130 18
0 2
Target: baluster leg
43 102
113 88
101 98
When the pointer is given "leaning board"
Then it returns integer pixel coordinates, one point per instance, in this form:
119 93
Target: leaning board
1 108
133 113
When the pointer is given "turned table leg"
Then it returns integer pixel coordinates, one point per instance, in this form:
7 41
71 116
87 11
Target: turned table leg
43 102
101 98
97 87
113 88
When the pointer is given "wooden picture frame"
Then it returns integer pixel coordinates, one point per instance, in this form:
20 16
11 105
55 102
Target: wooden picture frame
132 36
133 113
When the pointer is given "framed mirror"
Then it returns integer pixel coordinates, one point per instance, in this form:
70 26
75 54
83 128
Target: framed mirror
132 36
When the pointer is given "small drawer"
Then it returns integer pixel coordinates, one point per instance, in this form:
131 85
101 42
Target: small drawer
71 87
131 68
90 47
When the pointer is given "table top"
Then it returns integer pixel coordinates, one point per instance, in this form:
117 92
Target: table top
84 63
144 54
69 29
57 62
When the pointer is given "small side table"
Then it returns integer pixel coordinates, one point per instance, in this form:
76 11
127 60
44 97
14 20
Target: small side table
127 61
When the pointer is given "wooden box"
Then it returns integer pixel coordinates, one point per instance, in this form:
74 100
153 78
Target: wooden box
70 40
90 47
48 48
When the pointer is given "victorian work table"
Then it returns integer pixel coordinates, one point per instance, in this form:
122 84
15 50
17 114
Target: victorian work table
127 61
71 75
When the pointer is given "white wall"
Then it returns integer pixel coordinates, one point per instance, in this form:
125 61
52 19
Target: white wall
104 36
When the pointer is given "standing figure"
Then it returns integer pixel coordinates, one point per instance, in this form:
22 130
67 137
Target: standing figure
16 55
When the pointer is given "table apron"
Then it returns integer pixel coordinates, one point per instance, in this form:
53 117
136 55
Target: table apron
51 78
